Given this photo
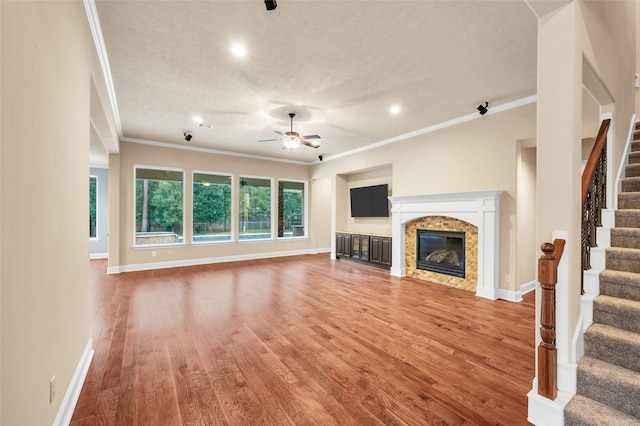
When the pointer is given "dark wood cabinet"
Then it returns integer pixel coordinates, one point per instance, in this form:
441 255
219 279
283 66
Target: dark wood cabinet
343 245
371 249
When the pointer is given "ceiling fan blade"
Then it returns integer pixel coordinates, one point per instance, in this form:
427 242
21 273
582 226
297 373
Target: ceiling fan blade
279 132
268 140
312 145
311 137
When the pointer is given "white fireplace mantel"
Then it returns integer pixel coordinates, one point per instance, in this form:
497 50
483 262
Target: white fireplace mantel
479 208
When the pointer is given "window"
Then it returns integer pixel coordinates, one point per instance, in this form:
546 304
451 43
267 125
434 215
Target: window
255 208
159 206
93 207
211 207
291 209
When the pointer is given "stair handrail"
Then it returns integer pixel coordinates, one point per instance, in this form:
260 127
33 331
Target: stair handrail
547 351
594 194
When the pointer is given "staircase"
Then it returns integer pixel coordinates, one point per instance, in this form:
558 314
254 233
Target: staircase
608 382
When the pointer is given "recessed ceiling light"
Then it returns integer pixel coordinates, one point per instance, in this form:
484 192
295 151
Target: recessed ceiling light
394 109
197 119
239 50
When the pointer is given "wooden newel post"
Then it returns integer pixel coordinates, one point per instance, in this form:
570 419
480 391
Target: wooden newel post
547 352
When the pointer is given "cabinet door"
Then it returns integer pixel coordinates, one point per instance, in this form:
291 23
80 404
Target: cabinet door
339 244
346 248
385 256
375 249
355 246
364 247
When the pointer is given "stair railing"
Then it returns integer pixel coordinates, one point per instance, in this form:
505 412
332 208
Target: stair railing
594 194
547 351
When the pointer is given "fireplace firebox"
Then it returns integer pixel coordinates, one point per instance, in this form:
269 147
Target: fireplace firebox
441 251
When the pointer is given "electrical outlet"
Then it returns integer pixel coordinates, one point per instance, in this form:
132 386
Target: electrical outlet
52 389
507 279
153 253
170 252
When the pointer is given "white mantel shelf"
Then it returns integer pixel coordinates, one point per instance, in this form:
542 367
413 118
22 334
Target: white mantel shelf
479 208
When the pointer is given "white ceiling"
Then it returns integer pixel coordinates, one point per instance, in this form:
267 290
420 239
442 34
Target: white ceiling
339 65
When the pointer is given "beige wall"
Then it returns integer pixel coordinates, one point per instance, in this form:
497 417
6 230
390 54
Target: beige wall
0 212
376 225
607 31
44 142
600 35
320 213
132 154
486 151
526 216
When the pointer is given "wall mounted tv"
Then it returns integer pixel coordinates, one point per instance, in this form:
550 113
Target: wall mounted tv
370 201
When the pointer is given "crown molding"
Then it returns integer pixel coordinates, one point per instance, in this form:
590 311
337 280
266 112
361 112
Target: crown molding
101 49
434 127
212 151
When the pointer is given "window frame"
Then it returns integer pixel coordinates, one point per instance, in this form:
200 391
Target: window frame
231 215
97 237
305 207
271 205
160 168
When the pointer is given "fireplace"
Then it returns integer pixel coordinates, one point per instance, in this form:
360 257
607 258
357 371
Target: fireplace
478 215
441 251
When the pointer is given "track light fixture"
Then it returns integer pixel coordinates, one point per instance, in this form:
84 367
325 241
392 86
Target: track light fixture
187 136
483 109
271 4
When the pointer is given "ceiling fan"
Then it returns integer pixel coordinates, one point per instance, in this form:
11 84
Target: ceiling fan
292 140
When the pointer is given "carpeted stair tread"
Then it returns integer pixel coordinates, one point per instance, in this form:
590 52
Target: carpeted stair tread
623 259
634 157
613 345
631 184
582 411
627 218
625 237
621 284
609 384
616 312
629 200
632 170
635 146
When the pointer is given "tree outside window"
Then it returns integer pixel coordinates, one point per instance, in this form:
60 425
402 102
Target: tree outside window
211 207
93 206
291 209
255 208
159 206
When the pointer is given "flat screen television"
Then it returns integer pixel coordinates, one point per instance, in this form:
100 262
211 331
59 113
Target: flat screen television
370 201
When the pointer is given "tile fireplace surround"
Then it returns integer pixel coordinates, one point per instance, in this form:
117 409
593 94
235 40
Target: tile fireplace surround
479 208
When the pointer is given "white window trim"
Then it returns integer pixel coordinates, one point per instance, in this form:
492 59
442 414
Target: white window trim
171 169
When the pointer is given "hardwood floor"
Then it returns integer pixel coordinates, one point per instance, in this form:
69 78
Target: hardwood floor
301 340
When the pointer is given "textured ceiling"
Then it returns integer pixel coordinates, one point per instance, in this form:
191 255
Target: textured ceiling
338 65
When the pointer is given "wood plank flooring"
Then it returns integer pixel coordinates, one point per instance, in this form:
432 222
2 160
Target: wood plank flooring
302 340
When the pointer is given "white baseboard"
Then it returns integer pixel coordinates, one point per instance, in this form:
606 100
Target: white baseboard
527 287
65 412
99 256
397 271
545 412
516 296
320 250
209 260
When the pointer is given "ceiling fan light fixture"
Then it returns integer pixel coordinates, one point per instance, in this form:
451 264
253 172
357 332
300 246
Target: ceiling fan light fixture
291 142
